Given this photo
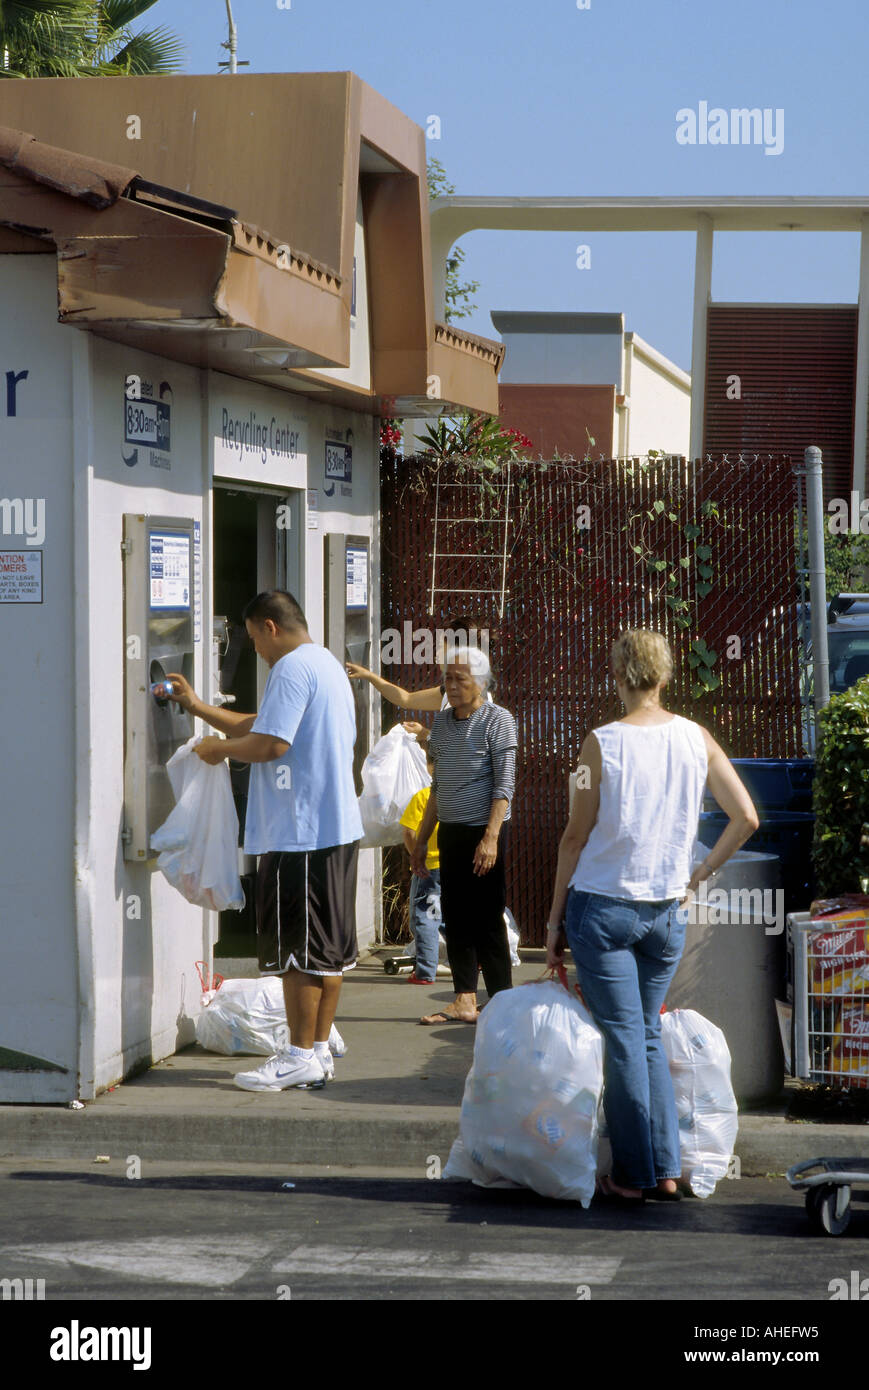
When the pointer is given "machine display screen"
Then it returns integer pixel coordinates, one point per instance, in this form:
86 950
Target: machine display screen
357 578
169 571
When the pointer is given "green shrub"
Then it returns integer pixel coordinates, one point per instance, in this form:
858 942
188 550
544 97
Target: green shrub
841 793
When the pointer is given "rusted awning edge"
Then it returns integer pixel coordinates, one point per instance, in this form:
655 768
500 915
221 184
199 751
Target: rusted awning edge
91 181
487 349
100 185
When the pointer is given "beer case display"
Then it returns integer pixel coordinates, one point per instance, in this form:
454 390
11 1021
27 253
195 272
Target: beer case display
830 956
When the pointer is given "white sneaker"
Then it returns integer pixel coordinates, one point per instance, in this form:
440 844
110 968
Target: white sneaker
326 1060
282 1071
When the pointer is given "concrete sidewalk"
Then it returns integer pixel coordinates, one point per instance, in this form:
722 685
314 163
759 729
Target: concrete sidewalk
394 1103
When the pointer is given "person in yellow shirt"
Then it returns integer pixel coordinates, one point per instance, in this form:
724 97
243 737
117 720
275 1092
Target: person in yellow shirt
425 893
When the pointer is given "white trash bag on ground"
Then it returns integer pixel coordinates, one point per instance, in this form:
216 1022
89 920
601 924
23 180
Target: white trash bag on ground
248 1016
512 937
198 841
529 1113
392 774
699 1061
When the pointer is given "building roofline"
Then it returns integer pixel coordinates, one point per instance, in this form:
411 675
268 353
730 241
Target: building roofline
644 349
455 214
556 321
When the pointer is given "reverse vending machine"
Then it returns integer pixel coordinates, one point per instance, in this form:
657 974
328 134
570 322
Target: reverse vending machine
159 614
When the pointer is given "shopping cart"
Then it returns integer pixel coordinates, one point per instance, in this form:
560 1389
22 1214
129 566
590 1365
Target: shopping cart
828 1191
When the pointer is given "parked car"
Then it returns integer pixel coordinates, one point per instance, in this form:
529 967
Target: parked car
848 652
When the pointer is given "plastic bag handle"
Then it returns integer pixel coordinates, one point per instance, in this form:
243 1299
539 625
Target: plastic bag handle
559 972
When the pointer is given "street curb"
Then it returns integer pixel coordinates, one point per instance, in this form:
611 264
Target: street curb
401 1142
765 1144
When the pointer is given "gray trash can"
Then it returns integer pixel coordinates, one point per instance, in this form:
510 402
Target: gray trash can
729 971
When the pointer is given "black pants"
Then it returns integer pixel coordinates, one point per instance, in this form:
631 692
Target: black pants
472 907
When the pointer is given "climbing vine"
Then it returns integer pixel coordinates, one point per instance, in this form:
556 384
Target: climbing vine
683 583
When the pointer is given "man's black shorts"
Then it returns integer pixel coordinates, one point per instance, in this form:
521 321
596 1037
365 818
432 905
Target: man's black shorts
306 910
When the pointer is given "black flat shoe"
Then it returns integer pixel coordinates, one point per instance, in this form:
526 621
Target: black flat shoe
656 1195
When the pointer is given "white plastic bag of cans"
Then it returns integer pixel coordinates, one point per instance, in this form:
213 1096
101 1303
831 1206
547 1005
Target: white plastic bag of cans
392 774
248 1016
529 1113
699 1061
198 841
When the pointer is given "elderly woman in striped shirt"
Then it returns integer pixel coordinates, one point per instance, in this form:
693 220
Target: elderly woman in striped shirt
473 747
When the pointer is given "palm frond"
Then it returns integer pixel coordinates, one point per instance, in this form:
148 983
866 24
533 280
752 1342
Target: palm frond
155 51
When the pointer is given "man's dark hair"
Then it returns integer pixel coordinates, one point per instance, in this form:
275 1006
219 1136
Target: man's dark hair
278 605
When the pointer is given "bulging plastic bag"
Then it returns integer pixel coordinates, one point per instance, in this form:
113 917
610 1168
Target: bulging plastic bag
198 841
529 1113
392 774
248 1016
699 1061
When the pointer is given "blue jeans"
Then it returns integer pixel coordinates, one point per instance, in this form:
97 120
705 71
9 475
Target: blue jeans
425 920
626 954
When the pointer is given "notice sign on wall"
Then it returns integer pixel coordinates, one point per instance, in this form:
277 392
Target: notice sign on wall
169 569
20 576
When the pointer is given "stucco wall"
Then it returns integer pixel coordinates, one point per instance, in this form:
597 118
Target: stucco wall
660 410
38 678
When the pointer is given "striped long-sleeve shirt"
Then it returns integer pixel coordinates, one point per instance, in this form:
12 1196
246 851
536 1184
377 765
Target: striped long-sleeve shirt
475 763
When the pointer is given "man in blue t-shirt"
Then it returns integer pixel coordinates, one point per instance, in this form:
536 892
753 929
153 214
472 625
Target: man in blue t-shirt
302 820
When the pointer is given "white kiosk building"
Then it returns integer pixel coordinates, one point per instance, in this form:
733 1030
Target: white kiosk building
211 430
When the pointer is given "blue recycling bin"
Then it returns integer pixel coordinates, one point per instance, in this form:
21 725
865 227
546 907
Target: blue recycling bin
774 784
781 789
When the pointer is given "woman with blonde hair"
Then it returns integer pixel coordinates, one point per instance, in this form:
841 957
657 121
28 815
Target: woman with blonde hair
623 888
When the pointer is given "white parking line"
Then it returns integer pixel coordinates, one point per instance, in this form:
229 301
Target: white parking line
198 1260
503 1268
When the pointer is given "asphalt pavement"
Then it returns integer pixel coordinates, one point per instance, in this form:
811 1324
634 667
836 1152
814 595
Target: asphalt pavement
235 1232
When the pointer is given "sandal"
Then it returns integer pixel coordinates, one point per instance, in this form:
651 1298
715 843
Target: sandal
429 1020
607 1192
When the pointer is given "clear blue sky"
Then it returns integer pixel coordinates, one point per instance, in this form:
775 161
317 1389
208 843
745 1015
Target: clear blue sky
540 97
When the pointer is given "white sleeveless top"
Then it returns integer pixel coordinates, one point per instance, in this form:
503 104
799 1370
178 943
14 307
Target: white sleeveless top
651 793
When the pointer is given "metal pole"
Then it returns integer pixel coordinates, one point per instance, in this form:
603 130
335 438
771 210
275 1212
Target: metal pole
702 294
233 40
817 578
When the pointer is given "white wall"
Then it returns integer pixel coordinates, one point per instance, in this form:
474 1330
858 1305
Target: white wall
660 403
38 680
144 983
359 371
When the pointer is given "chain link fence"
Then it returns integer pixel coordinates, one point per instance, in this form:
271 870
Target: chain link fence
701 551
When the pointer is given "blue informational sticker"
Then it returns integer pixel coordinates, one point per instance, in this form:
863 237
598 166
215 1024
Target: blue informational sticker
339 462
147 422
